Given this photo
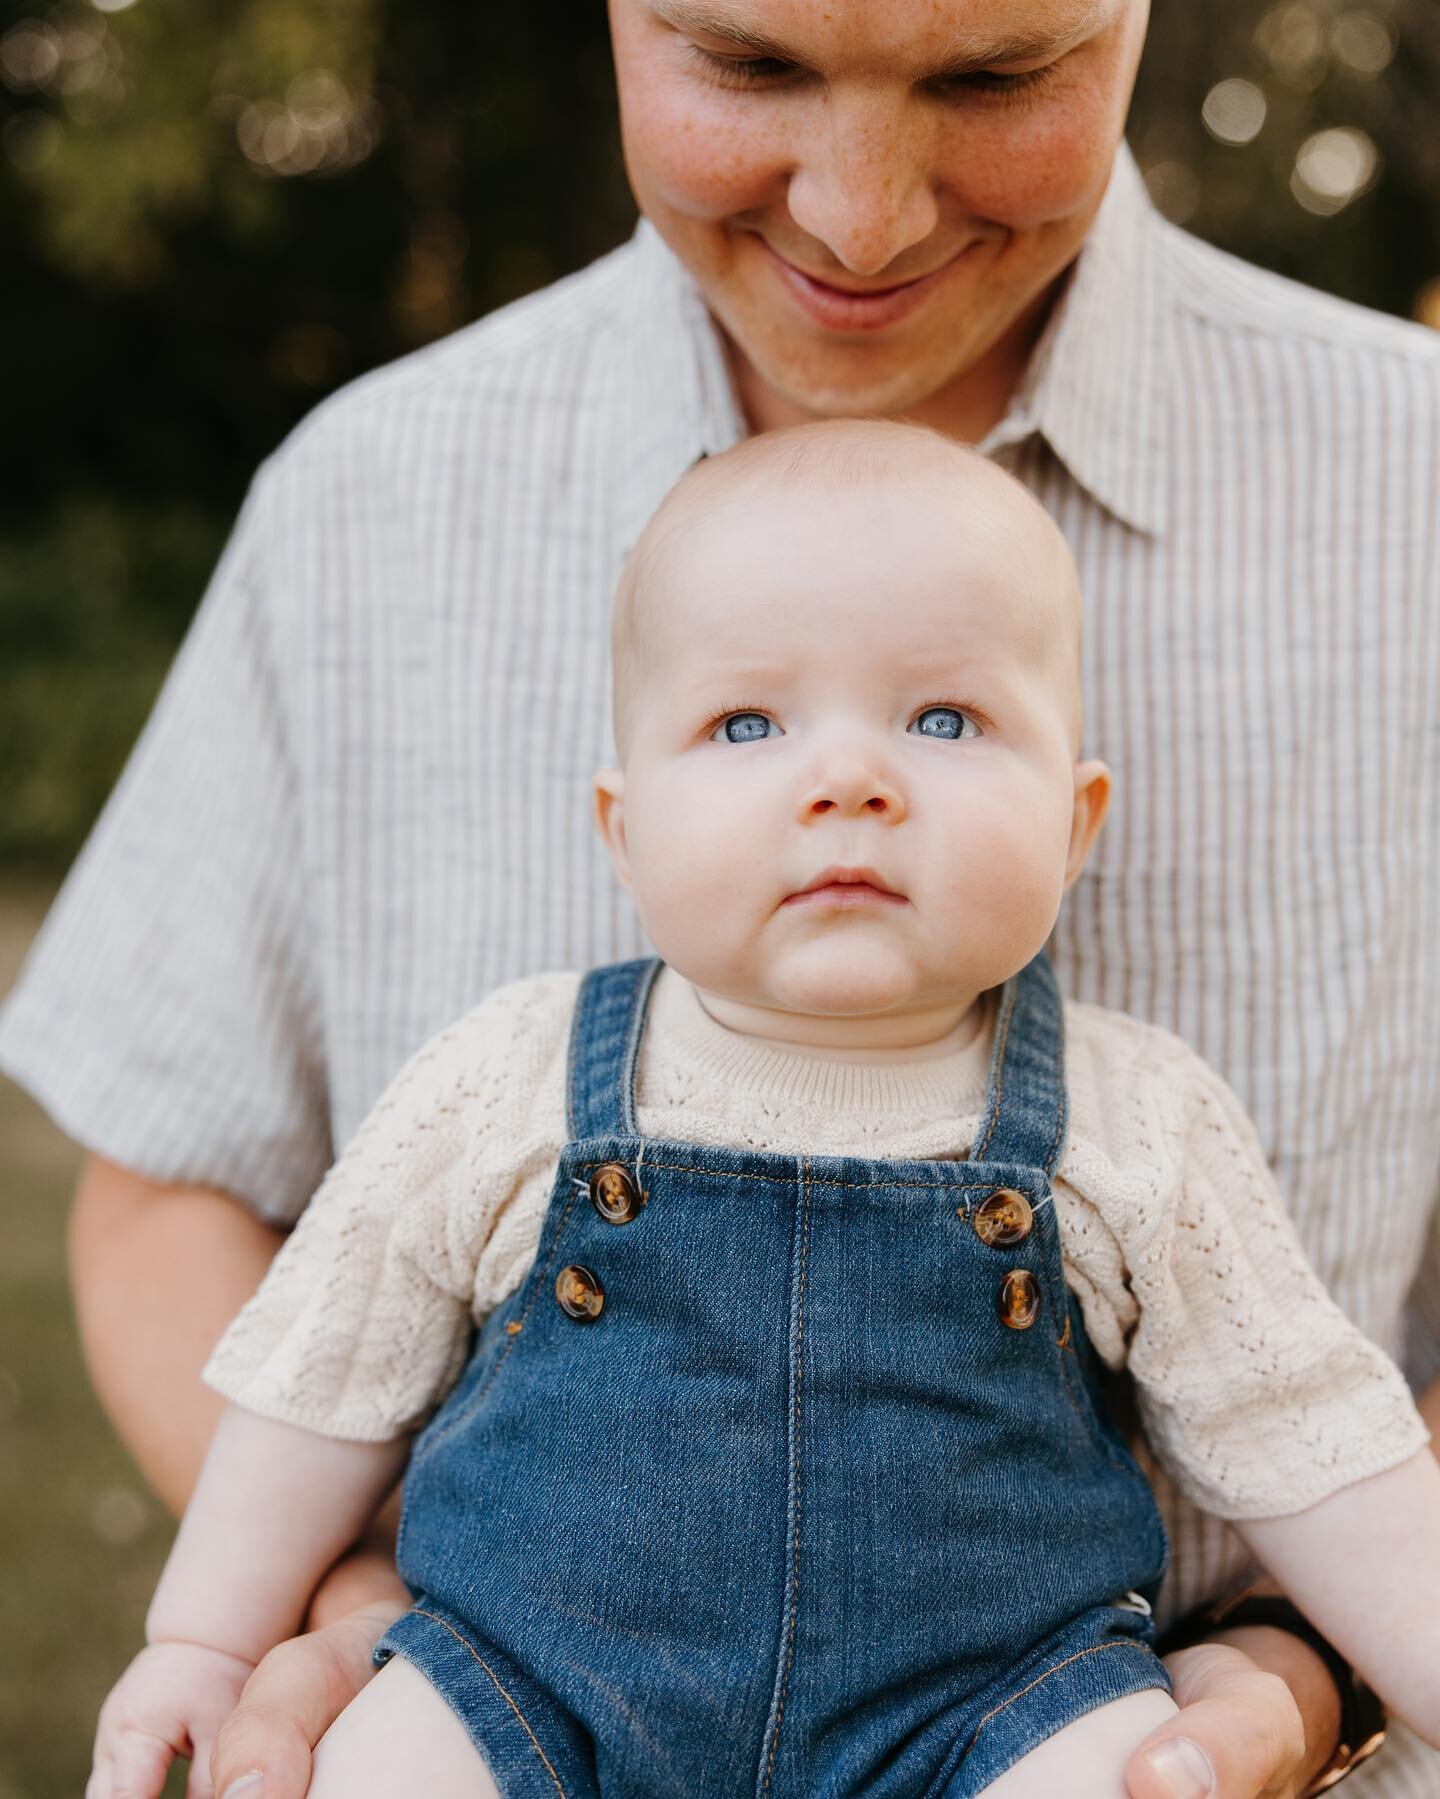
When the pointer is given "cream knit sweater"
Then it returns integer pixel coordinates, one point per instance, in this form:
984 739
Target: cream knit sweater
1256 1392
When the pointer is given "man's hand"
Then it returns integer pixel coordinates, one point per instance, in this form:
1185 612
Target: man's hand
292 1699
1241 1732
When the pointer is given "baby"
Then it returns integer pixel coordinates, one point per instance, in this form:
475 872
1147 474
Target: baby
778 1464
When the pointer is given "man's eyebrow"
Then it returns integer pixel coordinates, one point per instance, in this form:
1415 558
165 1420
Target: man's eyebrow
969 48
977 49
702 22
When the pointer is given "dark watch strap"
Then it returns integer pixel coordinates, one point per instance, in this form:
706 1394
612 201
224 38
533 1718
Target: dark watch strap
1362 1717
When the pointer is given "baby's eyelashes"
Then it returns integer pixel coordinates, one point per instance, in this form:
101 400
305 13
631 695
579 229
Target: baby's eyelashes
745 727
946 722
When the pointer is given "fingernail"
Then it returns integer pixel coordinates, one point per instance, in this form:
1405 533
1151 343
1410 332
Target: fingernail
246 1787
1182 1765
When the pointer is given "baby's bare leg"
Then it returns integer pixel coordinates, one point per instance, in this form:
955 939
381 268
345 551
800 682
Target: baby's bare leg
399 1736
1086 1760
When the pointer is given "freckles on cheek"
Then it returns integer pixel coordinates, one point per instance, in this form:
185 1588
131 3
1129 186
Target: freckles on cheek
697 159
1048 166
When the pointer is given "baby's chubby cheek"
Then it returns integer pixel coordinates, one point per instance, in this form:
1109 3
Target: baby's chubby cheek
999 885
697 894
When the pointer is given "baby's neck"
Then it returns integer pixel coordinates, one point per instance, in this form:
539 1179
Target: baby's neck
806 1031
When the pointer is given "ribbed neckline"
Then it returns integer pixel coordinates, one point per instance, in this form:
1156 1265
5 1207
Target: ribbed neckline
941 1079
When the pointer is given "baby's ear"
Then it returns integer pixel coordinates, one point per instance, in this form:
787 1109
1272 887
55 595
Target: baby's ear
610 817
1092 802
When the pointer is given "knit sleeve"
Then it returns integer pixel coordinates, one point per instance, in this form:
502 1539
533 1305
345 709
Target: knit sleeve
1257 1393
363 1321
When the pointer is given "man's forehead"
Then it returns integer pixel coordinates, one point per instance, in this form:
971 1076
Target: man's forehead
944 34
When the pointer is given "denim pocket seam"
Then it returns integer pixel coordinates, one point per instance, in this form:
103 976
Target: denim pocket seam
495 1681
1040 1679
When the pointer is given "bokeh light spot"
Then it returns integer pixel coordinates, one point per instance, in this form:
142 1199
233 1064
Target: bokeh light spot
1174 187
119 1516
1363 41
30 55
1332 168
319 129
1234 111
1292 41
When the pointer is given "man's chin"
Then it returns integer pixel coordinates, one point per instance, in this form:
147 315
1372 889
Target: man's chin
839 386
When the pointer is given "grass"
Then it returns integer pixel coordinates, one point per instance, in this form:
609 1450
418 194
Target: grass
82 1539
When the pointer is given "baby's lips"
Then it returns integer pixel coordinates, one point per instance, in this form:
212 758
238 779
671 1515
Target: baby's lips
841 876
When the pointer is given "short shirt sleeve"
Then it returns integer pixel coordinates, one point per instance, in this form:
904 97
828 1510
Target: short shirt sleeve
428 1219
167 1017
1257 1392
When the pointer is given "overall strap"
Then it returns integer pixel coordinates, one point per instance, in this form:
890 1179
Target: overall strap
1025 1112
604 1046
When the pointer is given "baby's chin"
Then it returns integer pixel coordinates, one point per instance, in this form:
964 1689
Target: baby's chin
845 979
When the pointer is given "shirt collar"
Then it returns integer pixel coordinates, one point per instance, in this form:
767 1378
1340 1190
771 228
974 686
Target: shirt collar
682 402
1095 388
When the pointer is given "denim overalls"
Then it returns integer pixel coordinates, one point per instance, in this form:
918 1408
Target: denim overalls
781 1476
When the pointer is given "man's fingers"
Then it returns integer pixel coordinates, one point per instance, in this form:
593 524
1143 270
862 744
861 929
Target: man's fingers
290 1701
271 1731
1238 1734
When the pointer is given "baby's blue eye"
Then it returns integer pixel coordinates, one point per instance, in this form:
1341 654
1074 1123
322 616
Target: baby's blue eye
947 722
745 727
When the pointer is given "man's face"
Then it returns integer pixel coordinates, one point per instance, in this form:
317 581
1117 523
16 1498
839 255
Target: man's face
875 196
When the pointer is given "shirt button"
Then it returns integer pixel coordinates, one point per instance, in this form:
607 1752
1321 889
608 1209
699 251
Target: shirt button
1005 1219
580 1294
1019 1299
613 1194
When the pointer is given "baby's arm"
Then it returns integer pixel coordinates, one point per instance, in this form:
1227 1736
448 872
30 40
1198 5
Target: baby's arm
1266 1404
273 1508
1364 1567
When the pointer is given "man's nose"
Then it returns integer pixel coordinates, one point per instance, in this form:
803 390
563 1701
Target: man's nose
862 182
850 788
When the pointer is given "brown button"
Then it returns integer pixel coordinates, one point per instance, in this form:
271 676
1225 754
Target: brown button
613 1193
580 1294
1005 1219
1019 1299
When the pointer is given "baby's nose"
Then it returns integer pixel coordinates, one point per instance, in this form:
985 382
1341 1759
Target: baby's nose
854 790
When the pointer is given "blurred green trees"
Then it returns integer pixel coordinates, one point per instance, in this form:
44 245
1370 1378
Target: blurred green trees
212 214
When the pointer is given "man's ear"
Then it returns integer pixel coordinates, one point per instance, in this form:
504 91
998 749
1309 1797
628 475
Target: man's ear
1092 802
610 817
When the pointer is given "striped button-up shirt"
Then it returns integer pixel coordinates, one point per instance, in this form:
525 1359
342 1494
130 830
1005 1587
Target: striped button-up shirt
363 801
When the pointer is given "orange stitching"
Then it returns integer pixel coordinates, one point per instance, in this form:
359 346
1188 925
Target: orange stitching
1079 1655
795 1580
534 1740
1074 1404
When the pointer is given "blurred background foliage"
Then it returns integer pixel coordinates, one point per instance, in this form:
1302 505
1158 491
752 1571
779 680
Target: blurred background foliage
215 211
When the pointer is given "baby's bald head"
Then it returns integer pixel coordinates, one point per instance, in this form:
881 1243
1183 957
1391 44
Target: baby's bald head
846 467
